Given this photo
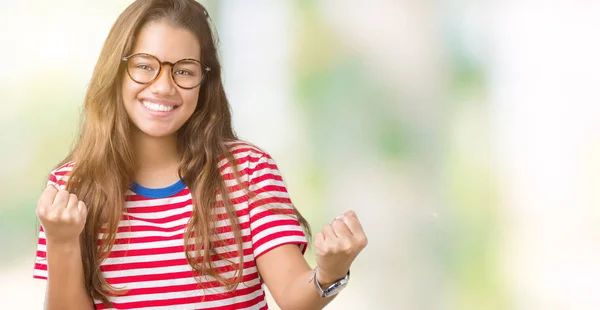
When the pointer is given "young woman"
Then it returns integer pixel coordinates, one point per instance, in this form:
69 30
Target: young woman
159 205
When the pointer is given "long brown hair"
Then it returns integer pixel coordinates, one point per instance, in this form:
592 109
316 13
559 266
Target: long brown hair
105 163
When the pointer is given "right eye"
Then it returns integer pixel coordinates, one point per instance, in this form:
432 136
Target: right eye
144 67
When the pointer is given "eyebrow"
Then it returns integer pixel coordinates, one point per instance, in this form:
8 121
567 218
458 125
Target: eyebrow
145 57
148 57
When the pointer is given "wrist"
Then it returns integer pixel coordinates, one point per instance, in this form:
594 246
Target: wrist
326 289
326 279
62 246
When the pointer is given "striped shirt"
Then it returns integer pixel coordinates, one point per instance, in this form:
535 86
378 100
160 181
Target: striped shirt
148 260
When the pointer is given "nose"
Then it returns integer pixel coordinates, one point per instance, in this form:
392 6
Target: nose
164 85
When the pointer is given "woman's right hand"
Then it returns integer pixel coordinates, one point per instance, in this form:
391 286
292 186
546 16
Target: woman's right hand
62 215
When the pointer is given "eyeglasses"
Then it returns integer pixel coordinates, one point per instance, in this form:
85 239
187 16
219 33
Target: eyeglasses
144 68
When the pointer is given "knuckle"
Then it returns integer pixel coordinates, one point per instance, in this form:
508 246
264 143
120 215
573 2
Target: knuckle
334 250
325 249
347 248
363 241
40 210
65 219
53 217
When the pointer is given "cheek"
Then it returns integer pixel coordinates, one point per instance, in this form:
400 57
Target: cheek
130 89
191 99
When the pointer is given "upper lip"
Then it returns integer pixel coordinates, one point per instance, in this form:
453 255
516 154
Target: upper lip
164 102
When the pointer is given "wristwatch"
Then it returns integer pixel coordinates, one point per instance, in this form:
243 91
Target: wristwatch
334 288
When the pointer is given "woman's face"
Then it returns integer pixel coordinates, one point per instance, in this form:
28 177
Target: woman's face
160 108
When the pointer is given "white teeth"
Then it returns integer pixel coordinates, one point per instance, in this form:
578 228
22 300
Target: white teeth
157 107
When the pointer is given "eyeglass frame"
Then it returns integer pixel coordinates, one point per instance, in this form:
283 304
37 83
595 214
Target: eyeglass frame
162 64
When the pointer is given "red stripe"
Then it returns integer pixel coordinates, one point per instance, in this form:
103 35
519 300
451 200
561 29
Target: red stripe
134 197
162 250
277 223
264 166
148 239
302 246
183 287
40 267
266 176
163 220
254 167
170 263
277 235
172 275
159 208
193 299
139 228
280 200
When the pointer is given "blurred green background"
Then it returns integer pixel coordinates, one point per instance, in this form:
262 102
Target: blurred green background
463 133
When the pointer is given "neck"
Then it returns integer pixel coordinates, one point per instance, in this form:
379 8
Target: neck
157 160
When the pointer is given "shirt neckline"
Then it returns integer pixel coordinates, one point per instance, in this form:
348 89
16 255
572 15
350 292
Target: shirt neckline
163 192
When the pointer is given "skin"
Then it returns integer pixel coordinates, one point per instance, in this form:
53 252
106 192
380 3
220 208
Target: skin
283 269
154 135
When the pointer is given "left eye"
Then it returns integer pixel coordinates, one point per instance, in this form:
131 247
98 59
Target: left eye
183 72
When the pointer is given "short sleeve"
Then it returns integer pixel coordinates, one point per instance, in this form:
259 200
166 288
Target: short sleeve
40 269
273 221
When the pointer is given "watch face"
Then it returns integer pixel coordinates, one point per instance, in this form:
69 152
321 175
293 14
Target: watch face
332 289
335 288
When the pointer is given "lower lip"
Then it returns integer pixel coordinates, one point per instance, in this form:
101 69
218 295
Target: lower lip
157 113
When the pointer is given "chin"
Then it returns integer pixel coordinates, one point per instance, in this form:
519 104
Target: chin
156 132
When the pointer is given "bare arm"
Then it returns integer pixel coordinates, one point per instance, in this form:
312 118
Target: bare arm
66 287
287 275
63 217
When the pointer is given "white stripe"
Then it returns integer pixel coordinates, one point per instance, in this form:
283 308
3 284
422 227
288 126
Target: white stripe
158 202
149 233
254 157
171 224
274 230
162 214
252 152
164 244
208 304
266 182
187 281
275 242
270 219
221 236
273 194
162 270
40 273
257 306
163 257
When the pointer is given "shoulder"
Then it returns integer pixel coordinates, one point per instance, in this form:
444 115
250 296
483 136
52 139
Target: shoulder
241 149
60 175
245 153
249 158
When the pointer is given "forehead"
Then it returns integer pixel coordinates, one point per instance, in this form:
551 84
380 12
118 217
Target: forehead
166 42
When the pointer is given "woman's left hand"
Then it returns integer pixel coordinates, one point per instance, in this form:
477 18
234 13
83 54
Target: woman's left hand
337 246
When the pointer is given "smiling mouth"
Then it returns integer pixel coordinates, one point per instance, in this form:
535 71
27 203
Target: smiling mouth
158 107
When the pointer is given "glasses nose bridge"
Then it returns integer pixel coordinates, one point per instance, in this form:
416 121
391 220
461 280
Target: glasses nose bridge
163 63
169 72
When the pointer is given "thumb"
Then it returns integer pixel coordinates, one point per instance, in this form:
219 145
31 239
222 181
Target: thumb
82 208
350 213
319 241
